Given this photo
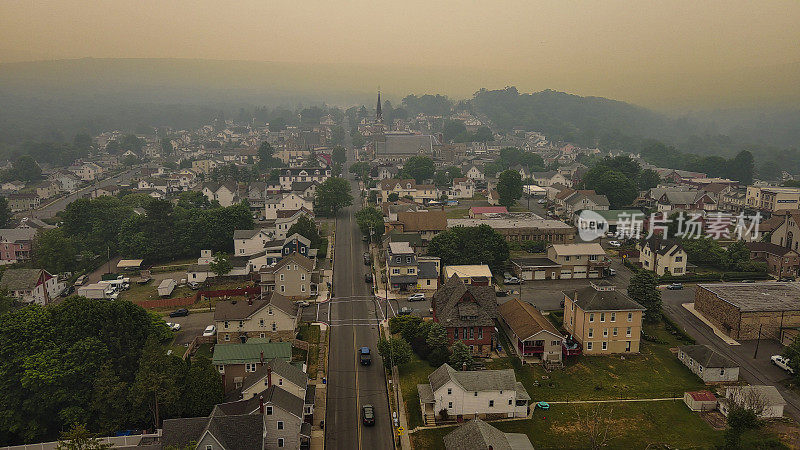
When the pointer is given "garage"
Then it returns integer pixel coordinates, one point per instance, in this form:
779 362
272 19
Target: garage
539 275
566 274
580 272
534 268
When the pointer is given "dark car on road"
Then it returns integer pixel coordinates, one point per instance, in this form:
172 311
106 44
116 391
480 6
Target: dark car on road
675 286
364 356
182 312
367 259
368 277
368 415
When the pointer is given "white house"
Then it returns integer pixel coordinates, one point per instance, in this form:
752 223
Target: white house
463 188
766 401
469 394
31 285
225 193
707 364
249 242
475 174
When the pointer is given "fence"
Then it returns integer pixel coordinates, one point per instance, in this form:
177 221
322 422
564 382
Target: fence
251 291
169 302
197 342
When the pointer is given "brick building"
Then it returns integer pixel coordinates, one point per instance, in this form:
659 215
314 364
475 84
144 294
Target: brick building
468 312
740 310
781 261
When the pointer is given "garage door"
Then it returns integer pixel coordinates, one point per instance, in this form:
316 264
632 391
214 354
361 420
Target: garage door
539 275
566 274
527 275
580 272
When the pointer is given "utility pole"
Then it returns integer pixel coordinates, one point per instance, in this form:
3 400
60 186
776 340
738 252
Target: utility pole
758 341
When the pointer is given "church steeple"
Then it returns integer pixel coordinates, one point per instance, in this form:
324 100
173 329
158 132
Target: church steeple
379 115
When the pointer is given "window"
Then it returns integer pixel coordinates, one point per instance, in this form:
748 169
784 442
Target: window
628 332
605 345
274 328
261 322
408 260
464 333
221 368
283 288
509 402
700 367
591 317
630 317
262 335
605 332
227 337
226 324
615 331
476 393
722 371
591 332
280 424
302 288
302 276
395 271
411 271
449 404
281 277
570 321
480 333
449 391
472 333
678 258
250 367
280 381
455 333
491 403
241 323
280 442
588 346
566 258
602 317
209 447
613 317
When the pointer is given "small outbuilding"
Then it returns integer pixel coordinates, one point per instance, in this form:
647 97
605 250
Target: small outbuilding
129 264
166 287
707 364
700 400
765 401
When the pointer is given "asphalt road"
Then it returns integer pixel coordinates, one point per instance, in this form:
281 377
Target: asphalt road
51 209
192 326
354 319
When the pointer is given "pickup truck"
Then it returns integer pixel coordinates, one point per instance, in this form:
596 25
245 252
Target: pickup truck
782 362
364 356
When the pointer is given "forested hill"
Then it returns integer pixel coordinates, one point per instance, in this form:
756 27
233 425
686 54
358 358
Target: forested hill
673 142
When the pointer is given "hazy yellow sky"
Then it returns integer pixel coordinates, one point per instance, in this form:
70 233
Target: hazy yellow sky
644 51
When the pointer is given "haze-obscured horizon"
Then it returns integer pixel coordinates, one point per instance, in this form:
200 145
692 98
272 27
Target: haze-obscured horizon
670 56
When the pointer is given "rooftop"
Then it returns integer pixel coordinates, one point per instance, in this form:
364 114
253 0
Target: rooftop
752 297
251 351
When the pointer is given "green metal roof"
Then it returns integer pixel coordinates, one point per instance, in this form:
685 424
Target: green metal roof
251 352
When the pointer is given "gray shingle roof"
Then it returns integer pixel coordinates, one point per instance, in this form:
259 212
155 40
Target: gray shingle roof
474 380
278 367
477 434
591 299
20 279
446 300
706 356
242 309
245 234
236 432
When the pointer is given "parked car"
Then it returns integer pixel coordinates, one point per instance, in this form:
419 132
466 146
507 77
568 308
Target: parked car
541 201
368 415
404 311
194 285
614 243
182 312
675 286
612 272
368 277
210 330
174 326
80 281
781 362
511 280
303 304
367 259
418 297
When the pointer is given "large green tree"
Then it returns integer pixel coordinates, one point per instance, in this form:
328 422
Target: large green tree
54 251
394 351
509 187
619 188
370 222
203 388
158 384
332 195
27 169
471 245
5 213
221 264
460 356
419 168
339 155
643 289
306 227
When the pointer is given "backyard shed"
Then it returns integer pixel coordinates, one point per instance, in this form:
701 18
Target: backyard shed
700 400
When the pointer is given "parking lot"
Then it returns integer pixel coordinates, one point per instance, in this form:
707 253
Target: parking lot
191 326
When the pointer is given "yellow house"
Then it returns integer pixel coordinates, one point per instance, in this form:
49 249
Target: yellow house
602 319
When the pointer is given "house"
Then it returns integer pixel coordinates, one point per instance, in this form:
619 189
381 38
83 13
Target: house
545 179
420 193
466 394
281 413
765 401
532 335
291 201
602 319
686 200
305 189
700 400
468 312
780 261
67 181
427 223
479 212
275 373
707 364
226 194
239 432
585 260
522 227
399 146
271 316
585 200
770 199
302 174
23 201
462 188
402 266
235 361
477 434
428 270
285 219
413 239
204 165
199 273
30 285
87 172
477 274
474 173
47 189
292 276
15 244
662 255
249 242
493 198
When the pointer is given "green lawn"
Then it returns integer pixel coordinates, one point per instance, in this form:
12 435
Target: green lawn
457 213
413 373
310 333
204 350
632 425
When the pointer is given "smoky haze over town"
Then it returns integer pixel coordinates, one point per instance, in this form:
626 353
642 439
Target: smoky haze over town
414 225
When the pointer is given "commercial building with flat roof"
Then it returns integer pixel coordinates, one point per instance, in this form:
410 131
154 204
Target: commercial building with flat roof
521 228
745 311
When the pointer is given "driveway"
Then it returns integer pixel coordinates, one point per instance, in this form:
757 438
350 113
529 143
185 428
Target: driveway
191 326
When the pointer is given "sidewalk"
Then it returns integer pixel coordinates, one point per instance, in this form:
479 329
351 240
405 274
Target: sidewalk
405 441
321 399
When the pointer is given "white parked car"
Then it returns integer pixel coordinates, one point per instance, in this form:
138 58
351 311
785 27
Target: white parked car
174 326
303 304
614 243
782 362
511 280
210 330
418 297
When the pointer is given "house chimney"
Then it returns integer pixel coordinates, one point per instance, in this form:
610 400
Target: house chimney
262 356
269 376
261 404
